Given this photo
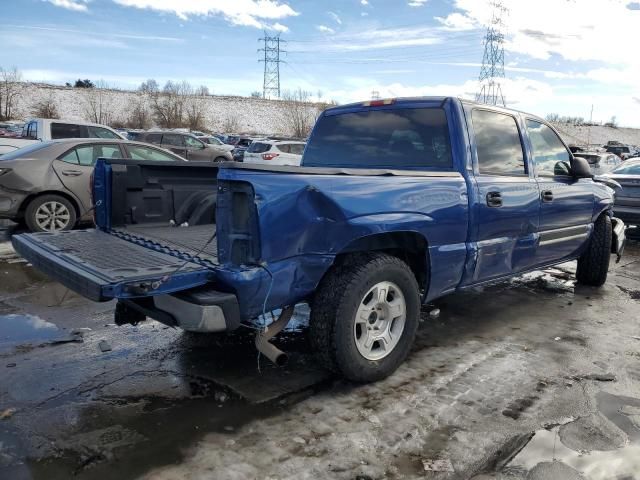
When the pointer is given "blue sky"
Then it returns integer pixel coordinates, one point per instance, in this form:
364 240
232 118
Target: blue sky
561 55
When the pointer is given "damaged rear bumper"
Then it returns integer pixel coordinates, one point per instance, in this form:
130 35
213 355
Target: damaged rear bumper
619 238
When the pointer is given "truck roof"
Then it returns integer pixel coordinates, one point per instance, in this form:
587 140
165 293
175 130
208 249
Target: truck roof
427 99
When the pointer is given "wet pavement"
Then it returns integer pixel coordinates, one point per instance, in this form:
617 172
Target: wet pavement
536 378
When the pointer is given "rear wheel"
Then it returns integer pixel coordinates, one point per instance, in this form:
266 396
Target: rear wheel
593 264
364 317
50 213
220 159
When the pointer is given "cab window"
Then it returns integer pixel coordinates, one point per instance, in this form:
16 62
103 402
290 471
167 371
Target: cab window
498 145
99 132
547 149
138 152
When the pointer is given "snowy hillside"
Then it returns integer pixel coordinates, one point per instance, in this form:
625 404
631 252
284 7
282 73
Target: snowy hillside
250 114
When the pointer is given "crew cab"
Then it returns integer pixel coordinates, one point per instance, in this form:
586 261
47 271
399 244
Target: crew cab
44 129
396 203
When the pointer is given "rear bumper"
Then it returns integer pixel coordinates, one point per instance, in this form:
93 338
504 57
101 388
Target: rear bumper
619 238
201 310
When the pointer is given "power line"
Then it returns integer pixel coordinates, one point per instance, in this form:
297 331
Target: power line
493 59
271 81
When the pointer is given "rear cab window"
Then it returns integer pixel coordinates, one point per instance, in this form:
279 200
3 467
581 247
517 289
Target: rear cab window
66 130
398 138
498 144
100 132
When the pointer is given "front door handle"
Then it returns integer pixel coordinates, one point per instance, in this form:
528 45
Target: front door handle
72 173
494 199
547 196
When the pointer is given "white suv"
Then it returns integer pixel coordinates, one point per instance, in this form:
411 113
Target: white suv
275 152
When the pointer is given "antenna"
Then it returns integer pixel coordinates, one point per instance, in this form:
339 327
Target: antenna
271 83
493 59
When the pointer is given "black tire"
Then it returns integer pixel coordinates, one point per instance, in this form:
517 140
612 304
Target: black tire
333 315
593 264
220 159
38 202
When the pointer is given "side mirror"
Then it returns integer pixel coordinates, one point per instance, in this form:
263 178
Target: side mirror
580 168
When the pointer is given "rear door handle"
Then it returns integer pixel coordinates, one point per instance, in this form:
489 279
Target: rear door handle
494 199
72 173
547 196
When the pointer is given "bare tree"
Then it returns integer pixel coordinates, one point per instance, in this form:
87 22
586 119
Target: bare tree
202 91
98 106
149 86
169 104
300 113
46 108
140 116
231 124
10 89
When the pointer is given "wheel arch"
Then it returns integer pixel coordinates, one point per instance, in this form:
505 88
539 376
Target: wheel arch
409 246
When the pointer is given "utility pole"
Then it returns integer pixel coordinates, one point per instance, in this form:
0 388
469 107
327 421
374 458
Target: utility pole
375 95
589 127
271 49
493 59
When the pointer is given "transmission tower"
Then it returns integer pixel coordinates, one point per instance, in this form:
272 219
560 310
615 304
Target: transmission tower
375 95
492 69
272 51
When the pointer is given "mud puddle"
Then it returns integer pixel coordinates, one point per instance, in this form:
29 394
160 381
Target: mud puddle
601 446
23 329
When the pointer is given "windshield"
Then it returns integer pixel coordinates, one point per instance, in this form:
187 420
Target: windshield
409 138
628 169
25 151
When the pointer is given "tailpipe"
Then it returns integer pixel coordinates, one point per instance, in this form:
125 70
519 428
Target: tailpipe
263 344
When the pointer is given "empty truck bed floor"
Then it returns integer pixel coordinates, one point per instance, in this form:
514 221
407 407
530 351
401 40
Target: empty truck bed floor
189 240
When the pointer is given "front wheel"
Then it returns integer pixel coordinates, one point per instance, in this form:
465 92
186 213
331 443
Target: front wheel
364 317
593 264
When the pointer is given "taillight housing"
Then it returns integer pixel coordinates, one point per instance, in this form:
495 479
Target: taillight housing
269 156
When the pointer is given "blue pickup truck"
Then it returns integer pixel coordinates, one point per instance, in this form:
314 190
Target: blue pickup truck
397 202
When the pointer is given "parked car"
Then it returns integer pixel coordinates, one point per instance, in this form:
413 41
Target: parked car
187 146
620 150
215 141
600 162
240 147
275 152
397 203
43 129
47 185
627 198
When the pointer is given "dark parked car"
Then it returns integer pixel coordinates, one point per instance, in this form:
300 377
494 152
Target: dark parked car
621 151
187 146
241 146
397 203
627 198
47 185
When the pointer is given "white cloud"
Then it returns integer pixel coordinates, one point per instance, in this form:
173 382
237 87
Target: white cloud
600 30
325 29
457 21
417 3
364 2
335 17
252 13
75 5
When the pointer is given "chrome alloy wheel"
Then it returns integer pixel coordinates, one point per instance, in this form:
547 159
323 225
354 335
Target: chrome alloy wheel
380 321
52 216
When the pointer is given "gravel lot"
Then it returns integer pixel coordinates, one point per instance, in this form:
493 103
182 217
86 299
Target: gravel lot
537 378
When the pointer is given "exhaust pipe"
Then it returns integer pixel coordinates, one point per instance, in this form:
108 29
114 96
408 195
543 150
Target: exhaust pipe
263 344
